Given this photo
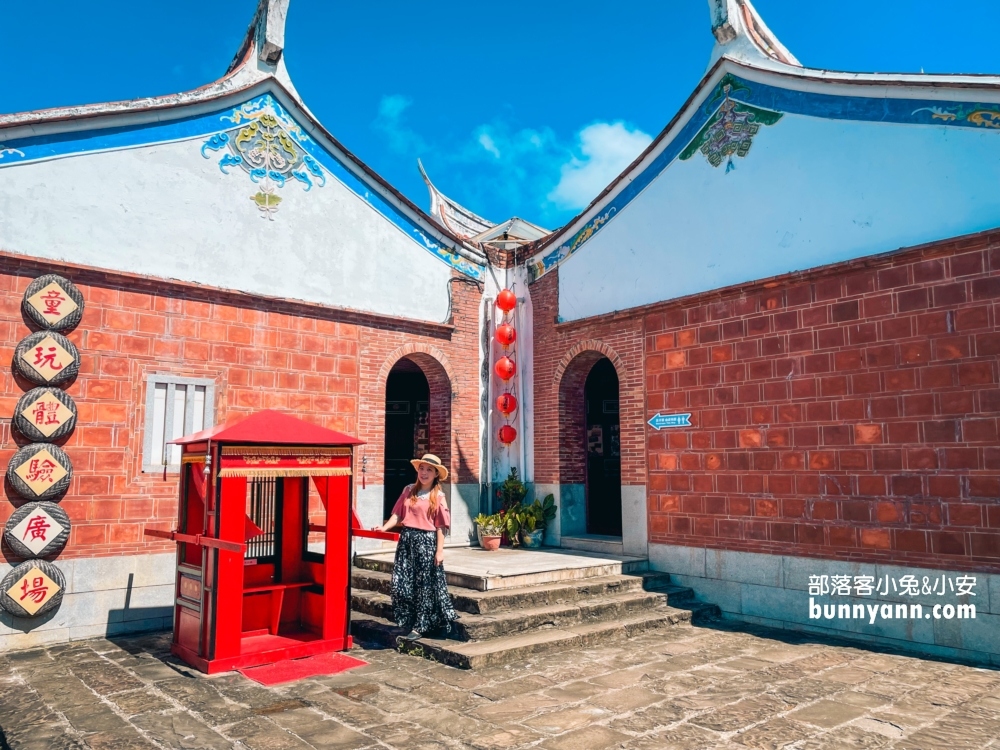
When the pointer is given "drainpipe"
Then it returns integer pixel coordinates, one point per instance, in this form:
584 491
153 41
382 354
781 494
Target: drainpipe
522 437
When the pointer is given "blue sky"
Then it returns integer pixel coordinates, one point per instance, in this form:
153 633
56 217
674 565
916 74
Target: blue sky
516 107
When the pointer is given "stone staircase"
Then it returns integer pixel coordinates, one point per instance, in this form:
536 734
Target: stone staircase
507 622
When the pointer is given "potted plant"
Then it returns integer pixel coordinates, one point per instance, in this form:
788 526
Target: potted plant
489 529
512 491
532 520
510 494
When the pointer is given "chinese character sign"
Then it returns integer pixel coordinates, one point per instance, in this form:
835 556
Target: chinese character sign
37 529
53 303
47 358
39 471
45 414
32 588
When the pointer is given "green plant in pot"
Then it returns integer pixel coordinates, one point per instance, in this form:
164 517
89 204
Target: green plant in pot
489 530
533 519
510 494
512 491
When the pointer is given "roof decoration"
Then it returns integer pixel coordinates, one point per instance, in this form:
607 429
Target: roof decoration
741 34
752 82
510 234
506 235
259 59
301 151
457 219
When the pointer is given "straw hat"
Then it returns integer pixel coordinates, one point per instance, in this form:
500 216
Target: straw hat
432 460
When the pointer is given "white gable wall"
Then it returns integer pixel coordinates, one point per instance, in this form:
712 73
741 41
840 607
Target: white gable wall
810 192
164 210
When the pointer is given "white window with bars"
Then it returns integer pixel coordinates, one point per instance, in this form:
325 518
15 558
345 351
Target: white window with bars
174 407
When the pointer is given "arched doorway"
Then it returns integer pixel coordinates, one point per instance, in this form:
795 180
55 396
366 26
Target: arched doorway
407 427
604 463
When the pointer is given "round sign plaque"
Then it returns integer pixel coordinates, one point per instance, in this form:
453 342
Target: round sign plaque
53 303
38 529
40 471
32 588
44 415
47 358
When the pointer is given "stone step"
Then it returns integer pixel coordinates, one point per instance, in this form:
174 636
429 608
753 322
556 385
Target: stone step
480 627
484 602
608 545
516 568
506 649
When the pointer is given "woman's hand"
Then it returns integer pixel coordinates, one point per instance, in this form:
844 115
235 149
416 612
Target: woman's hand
439 556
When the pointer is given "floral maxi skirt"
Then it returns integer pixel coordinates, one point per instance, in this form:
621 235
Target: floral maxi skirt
420 599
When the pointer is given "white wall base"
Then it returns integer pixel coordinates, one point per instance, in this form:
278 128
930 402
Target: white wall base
105 596
635 539
773 590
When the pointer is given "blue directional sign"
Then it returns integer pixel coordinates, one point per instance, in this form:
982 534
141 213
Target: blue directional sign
661 421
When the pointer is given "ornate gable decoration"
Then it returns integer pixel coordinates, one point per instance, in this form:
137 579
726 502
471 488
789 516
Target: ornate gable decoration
730 131
268 146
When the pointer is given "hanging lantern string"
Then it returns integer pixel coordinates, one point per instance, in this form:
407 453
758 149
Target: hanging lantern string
506 366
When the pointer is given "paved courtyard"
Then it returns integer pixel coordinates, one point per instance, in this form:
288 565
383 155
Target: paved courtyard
682 687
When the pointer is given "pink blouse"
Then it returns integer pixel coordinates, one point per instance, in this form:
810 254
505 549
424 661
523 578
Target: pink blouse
416 516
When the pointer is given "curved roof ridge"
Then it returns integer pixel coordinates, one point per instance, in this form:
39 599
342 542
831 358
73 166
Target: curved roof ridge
258 58
741 34
746 48
455 217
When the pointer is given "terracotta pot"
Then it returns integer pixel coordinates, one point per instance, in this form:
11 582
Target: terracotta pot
489 542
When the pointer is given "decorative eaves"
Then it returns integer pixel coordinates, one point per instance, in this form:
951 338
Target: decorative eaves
258 65
456 218
747 51
741 35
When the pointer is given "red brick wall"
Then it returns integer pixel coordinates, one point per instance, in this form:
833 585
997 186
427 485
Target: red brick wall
850 413
311 361
450 362
563 356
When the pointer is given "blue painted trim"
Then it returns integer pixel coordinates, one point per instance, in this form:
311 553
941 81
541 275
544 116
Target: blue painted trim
764 96
317 163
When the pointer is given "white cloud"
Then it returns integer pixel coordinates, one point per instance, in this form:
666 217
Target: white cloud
603 150
487 142
401 138
499 170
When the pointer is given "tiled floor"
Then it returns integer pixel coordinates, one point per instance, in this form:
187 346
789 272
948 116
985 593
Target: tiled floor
681 687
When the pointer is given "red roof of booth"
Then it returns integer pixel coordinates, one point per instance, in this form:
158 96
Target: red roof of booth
270 427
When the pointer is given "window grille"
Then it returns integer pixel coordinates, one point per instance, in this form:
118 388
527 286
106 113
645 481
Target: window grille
262 509
174 407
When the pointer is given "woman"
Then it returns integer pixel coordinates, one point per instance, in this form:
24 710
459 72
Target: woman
420 600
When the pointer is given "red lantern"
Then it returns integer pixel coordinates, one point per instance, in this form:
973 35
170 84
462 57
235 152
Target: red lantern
506 300
506 335
506 403
507 434
505 368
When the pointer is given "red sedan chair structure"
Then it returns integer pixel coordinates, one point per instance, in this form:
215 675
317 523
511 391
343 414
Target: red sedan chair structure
263 543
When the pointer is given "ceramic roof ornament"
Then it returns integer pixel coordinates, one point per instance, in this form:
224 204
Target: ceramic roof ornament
741 34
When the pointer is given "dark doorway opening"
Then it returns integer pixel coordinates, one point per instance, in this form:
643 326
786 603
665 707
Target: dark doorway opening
407 427
604 462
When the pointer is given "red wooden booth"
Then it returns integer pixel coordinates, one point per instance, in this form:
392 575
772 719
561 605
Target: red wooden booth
263 543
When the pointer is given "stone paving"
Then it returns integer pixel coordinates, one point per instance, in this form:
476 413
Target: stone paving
723 686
